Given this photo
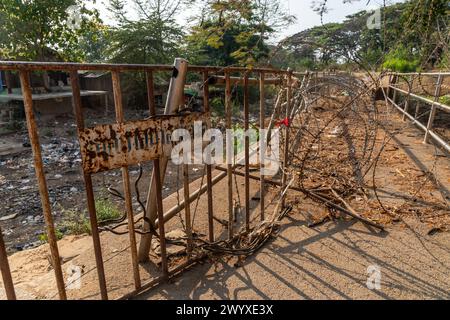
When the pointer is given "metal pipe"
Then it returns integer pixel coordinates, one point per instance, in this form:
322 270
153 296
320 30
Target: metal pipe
42 182
438 139
262 118
126 183
206 108
71 66
286 141
229 157
187 209
157 181
174 100
6 272
417 97
78 111
433 108
247 156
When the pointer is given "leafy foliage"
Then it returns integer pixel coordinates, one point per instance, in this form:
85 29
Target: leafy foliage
230 32
40 29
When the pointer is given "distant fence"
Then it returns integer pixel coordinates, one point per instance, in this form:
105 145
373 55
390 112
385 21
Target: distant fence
426 89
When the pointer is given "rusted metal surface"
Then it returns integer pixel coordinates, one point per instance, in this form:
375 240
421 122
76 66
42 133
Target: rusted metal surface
160 211
173 102
262 118
6 272
229 156
247 156
42 182
67 66
220 80
187 208
111 146
206 108
286 140
120 144
78 111
126 184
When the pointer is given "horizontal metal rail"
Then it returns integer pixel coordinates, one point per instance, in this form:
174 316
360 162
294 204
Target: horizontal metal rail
444 73
412 95
433 104
69 66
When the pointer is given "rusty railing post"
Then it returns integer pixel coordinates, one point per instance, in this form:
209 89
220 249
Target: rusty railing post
174 100
405 110
78 111
437 93
126 183
40 177
286 141
187 208
230 149
262 115
157 180
5 270
206 108
247 156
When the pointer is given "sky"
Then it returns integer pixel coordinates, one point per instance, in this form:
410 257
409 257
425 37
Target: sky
302 9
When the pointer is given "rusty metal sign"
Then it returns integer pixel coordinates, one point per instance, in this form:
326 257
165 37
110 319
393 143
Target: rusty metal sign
111 146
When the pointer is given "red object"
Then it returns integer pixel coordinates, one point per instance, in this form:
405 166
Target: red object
284 122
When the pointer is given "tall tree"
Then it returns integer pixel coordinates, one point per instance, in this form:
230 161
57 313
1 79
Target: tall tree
44 29
236 32
154 37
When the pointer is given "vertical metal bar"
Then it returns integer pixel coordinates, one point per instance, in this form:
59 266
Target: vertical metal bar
78 111
388 90
437 93
229 157
157 181
262 116
187 208
174 100
6 272
405 110
8 82
206 108
126 183
160 211
40 176
394 82
286 141
247 154
150 92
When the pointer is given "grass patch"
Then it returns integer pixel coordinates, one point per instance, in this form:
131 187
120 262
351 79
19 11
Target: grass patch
77 223
445 100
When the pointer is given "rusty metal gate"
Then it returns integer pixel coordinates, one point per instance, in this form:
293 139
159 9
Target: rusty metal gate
120 144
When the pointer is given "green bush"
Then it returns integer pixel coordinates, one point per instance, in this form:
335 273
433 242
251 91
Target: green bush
401 65
445 100
401 60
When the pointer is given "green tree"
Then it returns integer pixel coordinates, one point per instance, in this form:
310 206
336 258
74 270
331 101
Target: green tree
231 32
43 30
154 37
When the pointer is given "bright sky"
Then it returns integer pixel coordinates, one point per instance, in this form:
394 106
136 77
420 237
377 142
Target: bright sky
306 17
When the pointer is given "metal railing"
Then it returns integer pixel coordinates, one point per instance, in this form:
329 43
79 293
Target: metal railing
416 87
93 161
